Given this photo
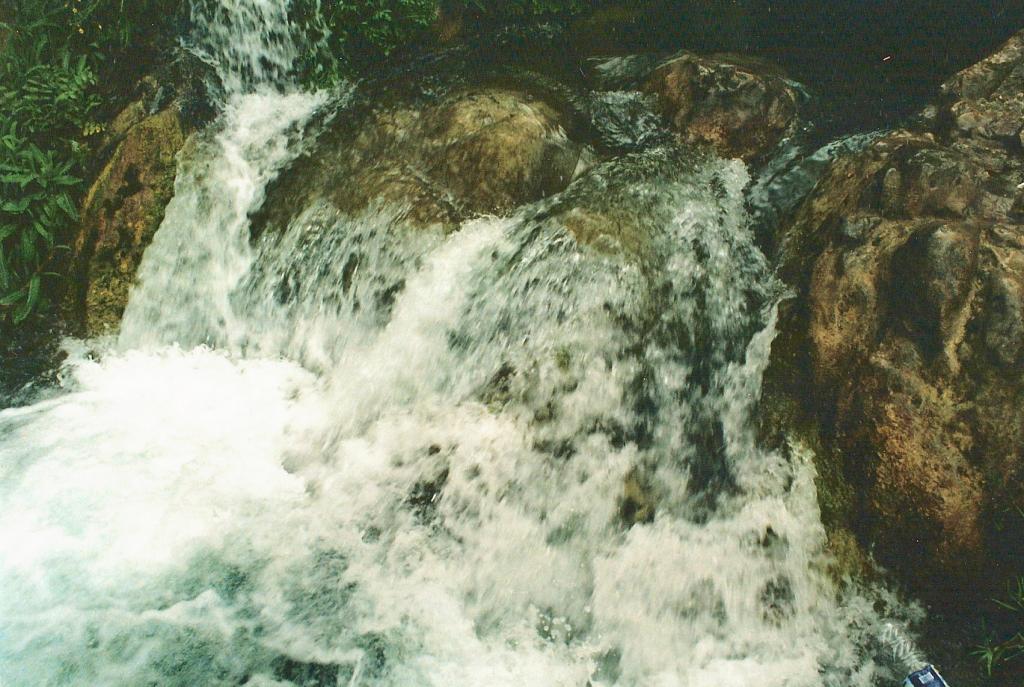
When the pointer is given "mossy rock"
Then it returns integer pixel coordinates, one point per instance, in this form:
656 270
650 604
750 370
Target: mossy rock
483 151
120 215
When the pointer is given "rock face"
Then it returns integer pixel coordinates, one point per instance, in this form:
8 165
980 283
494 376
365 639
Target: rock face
439 149
906 340
125 204
739 107
121 213
475 152
988 98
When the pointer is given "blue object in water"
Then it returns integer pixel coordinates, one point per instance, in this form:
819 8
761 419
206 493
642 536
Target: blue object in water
926 677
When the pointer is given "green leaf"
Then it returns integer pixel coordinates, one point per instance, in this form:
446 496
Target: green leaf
22 179
22 311
33 292
42 231
28 248
12 298
15 207
65 204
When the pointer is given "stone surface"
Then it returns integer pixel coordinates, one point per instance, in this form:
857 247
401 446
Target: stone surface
739 107
987 99
905 342
122 211
472 153
134 163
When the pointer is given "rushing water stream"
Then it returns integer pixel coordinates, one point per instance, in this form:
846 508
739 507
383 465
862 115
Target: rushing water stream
358 454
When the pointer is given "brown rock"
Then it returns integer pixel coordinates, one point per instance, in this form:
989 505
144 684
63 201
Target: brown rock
739 107
987 99
911 270
926 499
122 211
909 257
499 150
473 153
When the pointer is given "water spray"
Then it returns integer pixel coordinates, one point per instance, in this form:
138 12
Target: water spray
906 654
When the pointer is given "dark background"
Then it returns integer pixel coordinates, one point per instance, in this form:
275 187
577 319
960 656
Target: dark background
838 47
842 45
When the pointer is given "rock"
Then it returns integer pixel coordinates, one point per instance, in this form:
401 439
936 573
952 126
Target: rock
986 100
473 153
122 211
739 107
905 344
134 162
500 150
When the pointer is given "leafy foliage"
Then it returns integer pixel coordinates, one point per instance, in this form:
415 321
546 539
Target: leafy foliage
376 26
994 654
62 60
528 9
357 34
53 56
351 36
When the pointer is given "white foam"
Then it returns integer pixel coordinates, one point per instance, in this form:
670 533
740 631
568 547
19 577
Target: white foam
410 466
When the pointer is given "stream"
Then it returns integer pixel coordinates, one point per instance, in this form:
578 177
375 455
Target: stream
354 453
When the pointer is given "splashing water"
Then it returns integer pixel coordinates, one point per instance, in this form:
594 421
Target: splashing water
251 44
358 453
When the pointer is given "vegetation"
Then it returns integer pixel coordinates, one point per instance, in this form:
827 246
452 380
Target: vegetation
66 64
53 56
997 653
357 34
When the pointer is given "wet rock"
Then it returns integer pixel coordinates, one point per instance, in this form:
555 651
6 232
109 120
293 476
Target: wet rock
135 163
1004 325
740 107
120 215
933 277
500 150
986 100
905 343
472 153
638 503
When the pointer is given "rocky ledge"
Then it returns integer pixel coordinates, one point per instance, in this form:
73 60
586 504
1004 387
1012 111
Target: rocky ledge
904 345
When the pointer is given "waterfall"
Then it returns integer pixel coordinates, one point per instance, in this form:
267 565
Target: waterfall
357 453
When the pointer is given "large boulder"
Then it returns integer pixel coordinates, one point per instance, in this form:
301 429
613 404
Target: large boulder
135 161
475 152
120 215
737 106
987 99
906 343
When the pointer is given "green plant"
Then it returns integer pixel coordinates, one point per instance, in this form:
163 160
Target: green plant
36 207
528 9
46 104
994 654
354 35
53 56
350 36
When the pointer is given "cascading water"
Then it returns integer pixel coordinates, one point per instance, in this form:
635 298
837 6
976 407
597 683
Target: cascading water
357 453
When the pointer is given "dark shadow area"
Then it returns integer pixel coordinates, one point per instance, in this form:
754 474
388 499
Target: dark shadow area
881 58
